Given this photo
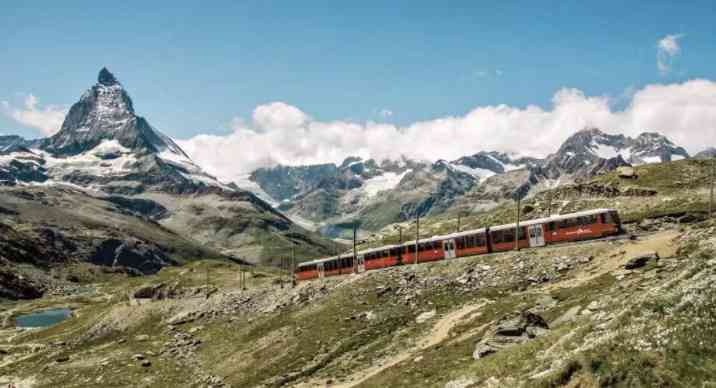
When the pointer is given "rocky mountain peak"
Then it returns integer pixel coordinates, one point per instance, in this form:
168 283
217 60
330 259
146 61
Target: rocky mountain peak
106 78
106 112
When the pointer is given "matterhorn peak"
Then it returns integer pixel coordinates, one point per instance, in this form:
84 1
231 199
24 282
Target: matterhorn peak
106 78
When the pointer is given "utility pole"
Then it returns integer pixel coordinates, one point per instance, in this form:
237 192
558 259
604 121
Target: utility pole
549 202
206 281
355 250
292 268
458 222
713 177
417 236
517 226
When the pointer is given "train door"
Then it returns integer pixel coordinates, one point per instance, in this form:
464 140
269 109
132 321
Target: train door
449 249
321 272
536 234
360 264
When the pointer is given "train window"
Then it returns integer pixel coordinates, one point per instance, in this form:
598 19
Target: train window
497 237
568 223
480 240
551 226
611 218
521 233
460 242
508 235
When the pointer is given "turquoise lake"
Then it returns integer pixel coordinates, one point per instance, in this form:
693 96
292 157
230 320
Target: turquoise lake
43 318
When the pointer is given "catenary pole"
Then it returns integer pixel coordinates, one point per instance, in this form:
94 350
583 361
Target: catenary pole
517 226
417 237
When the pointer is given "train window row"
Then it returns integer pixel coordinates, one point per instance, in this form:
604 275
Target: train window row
475 240
346 262
427 246
573 222
507 235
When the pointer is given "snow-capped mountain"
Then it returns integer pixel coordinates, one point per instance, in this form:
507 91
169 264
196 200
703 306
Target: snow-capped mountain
377 193
104 145
483 165
106 150
591 151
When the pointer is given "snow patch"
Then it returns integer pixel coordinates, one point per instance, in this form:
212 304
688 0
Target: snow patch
651 159
478 173
389 180
244 182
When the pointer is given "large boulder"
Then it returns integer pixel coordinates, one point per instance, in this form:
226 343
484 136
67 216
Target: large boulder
510 331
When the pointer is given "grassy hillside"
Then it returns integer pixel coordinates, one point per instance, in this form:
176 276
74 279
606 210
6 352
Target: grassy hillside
401 327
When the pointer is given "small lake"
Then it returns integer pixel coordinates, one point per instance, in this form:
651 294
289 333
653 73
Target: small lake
43 318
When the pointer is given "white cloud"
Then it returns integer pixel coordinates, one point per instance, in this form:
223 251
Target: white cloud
278 115
47 119
666 49
682 111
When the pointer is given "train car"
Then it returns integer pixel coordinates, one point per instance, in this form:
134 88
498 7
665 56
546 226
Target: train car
578 226
584 225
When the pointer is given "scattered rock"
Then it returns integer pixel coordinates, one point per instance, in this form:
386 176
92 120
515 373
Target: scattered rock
425 316
146 363
462 382
640 260
64 358
152 291
142 338
626 172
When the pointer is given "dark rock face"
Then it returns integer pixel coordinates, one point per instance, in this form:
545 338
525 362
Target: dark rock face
106 78
139 206
144 257
13 286
25 166
283 182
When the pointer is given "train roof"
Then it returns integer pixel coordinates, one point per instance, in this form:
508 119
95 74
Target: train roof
552 218
446 236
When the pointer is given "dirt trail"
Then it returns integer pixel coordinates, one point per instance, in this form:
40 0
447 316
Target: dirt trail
439 333
614 259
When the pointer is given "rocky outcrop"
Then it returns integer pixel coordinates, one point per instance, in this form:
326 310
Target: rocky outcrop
14 286
146 258
511 331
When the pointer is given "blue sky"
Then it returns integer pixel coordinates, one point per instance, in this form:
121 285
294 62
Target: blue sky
191 68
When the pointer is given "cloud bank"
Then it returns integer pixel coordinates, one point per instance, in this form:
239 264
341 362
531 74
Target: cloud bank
667 48
279 133
47 119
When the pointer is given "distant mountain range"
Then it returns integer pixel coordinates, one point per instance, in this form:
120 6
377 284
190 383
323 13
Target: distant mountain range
105 150
105 147
380 193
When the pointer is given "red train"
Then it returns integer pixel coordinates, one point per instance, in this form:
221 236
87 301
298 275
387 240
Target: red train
584 225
